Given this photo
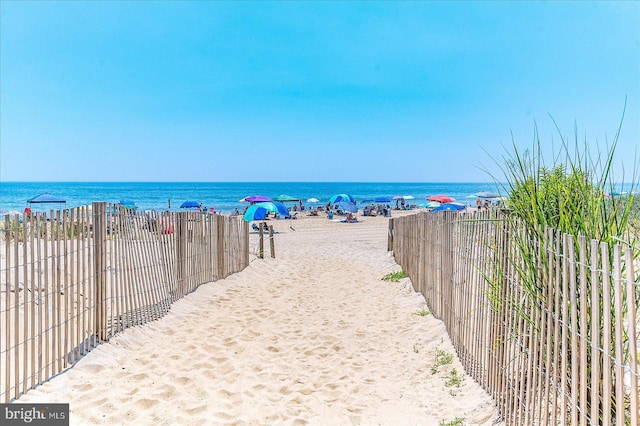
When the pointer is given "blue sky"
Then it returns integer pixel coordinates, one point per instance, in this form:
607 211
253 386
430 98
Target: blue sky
308 91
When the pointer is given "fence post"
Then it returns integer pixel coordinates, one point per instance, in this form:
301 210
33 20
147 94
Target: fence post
261 244
222 270
272 243
390 236
181 252
99 210
245 227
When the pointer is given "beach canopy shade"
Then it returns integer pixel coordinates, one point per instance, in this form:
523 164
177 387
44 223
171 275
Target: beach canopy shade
341 197
312 200
46 198
130 204
285 198
449 207
486 194
259 211
403 197
441 198
382 200
189 205
256 199
347 206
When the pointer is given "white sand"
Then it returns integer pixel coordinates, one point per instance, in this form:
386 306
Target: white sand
311 337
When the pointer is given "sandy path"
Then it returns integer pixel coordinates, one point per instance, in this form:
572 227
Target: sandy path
311 337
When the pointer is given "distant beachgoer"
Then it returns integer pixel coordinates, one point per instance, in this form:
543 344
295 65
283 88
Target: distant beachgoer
486 205
478 203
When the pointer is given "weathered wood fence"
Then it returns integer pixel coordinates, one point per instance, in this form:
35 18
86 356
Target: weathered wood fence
554 339
75 278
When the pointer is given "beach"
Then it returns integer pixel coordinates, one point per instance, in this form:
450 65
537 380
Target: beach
313 336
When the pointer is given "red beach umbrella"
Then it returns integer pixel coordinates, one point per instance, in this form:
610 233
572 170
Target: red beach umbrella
440 198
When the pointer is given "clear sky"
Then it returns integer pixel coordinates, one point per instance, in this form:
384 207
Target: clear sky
307 91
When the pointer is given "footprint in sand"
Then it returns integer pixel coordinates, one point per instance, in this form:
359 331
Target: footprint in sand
140 376
93 368
229 342
182 380
145 404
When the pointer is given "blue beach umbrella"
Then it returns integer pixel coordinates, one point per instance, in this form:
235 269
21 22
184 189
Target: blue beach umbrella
259 211
341 197
347 206
189 205
449 207
382 200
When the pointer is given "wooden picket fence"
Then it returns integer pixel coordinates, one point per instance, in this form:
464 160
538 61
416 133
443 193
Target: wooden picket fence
73 279
559 347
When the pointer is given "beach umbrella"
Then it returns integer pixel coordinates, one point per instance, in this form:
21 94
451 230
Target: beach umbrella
313 200
486 194
283 198
430 204
256 199
341 197
190 205
347 206
408 197
259 211
449 207
441 198
382 200
368 200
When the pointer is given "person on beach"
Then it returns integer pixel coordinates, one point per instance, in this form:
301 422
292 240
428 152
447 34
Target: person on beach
479 203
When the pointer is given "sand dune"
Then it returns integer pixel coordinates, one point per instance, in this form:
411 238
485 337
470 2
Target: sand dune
313 336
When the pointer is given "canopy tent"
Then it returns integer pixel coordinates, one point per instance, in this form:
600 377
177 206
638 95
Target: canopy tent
46 198
129 204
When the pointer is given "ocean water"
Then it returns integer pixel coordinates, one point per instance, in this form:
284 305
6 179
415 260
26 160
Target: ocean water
223 196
